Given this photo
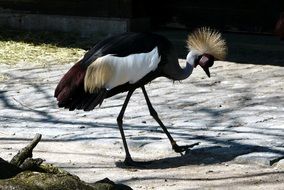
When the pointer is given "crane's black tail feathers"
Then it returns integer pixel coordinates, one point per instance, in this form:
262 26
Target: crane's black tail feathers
84 101
70 91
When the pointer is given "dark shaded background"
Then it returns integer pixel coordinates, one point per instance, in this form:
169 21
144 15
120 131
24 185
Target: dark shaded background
257 16
248 26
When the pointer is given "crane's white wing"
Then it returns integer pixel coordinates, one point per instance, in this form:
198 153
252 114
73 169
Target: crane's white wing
110 71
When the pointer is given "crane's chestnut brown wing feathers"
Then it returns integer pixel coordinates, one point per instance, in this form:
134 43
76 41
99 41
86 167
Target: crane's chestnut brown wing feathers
70 91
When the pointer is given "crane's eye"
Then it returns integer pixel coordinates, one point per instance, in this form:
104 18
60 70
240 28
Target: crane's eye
206 60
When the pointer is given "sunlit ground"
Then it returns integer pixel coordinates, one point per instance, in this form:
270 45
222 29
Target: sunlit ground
12 52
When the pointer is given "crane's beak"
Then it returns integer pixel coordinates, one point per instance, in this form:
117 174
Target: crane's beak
205 62
206 69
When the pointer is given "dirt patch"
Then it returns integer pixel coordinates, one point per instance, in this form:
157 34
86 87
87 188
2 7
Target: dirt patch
13 52
3 77
43 48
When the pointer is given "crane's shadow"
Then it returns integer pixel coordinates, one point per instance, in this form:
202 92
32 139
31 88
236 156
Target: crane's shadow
198 156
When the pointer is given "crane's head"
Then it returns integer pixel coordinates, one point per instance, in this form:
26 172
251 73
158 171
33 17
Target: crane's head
205 46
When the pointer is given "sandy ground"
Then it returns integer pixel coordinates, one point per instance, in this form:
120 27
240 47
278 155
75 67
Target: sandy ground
237 116
91 162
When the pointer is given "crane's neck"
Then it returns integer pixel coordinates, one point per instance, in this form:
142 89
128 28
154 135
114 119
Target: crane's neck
184 71
192 58
175 71
191 63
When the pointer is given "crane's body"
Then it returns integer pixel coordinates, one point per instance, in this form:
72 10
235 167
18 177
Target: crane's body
128 61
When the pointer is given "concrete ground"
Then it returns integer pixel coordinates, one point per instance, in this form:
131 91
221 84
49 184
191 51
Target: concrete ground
237 116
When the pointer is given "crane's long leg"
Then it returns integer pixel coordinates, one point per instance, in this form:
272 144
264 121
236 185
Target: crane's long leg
128 159
154 114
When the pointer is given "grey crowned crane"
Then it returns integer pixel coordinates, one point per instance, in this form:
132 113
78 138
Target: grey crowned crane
128 61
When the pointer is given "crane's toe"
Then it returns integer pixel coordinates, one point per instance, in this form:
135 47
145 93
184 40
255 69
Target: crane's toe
129 163
180 149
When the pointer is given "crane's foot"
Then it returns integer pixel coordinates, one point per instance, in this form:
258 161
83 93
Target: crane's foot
181 149
128 162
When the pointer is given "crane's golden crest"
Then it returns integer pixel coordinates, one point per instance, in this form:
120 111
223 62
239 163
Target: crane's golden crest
206 40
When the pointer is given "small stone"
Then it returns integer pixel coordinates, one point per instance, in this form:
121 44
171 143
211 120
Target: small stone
261 158
280 164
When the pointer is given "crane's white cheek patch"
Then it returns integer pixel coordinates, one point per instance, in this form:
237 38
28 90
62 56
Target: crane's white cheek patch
131 68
